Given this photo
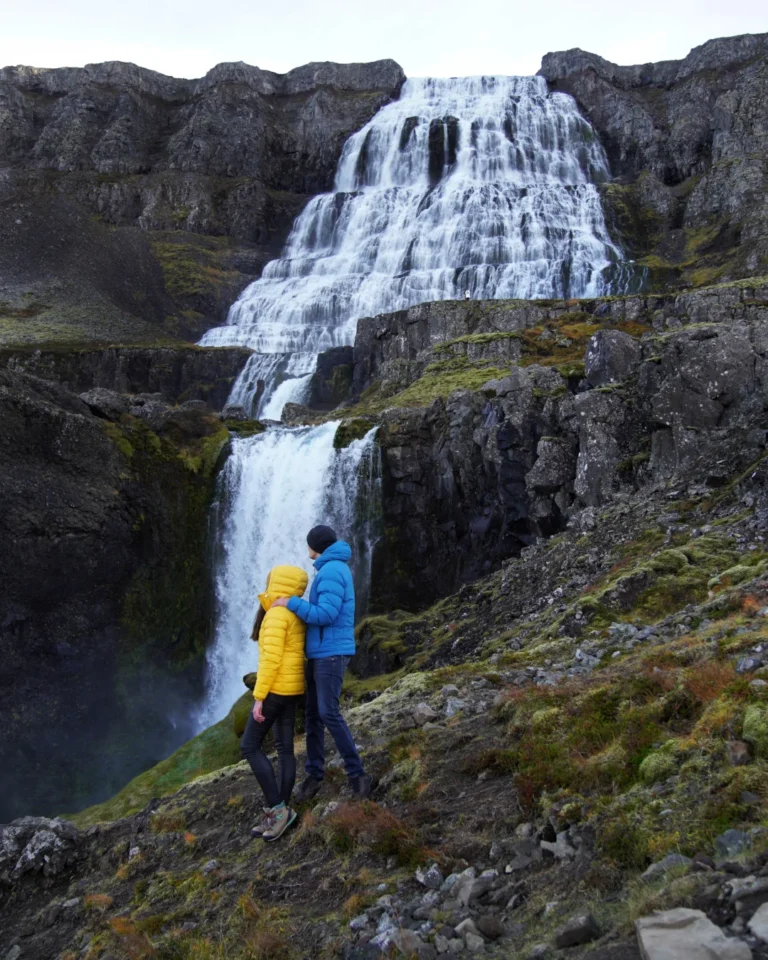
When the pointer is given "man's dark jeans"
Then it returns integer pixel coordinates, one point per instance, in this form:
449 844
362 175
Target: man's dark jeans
324 679
280 714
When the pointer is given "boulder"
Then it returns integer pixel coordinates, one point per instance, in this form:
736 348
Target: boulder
423 713
611 356
689 934
105 403
576 931
672 861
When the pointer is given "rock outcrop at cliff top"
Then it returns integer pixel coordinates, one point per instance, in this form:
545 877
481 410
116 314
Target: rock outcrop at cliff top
212 148
203 178
688 140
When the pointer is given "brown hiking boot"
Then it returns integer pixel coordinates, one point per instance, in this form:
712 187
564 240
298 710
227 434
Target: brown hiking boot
264 824
282 818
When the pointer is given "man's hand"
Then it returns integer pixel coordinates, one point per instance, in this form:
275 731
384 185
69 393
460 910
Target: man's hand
280 602
258 713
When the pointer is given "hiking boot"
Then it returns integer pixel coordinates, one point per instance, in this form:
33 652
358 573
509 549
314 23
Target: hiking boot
264 824
282 818
308 790
361 786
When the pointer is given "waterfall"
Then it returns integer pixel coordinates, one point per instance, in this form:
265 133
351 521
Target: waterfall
273 489
479 184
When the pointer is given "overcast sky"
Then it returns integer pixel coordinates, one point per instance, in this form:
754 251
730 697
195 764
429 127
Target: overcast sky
186 38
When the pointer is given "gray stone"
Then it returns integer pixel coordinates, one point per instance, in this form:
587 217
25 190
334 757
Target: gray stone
14 953
453 706
576 931
538 951
432 877
490 926
738 752
105 403
210 866
673 861
758 923
688 934
732 842
748 664
360 922
423 713
474 943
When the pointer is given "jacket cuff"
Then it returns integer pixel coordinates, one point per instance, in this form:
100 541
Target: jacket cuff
293 603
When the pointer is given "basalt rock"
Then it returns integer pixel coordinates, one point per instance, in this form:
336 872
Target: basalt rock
475 476
177 373
687 140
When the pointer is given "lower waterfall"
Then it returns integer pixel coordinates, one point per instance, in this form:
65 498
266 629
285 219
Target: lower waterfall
274 488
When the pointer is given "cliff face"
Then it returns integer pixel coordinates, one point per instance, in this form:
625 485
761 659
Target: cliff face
688 142
503 421
104 590
212 171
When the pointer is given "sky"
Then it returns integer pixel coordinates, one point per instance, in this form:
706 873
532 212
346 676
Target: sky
185 38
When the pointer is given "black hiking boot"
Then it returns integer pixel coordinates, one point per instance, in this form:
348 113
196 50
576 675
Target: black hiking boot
308 790
361 786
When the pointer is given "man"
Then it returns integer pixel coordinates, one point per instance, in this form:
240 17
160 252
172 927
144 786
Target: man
330 617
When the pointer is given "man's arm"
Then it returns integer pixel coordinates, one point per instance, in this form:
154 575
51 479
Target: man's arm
330 594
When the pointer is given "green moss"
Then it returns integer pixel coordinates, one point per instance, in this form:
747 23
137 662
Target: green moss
166 606
755 729
350 430
661 764
444 377
214 748
189 269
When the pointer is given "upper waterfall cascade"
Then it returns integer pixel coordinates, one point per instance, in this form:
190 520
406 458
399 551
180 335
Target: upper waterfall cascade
479 184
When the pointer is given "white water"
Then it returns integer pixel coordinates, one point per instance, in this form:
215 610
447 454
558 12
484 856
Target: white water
274 488
509 208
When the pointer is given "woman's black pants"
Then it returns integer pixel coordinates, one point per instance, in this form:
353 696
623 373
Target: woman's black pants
280 716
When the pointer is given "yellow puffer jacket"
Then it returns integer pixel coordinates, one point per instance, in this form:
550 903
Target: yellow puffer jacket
281 638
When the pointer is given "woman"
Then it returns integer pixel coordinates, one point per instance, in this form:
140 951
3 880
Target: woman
279 687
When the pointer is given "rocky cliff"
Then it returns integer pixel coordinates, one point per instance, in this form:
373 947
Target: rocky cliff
105 592
211 172
687 141
501 421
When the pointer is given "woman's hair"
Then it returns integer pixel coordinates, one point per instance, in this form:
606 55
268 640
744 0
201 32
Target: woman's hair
260 614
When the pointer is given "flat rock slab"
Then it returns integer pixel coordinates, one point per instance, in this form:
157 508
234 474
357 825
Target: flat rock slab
684 934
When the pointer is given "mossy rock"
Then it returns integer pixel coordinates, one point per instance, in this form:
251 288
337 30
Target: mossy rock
214 748
661 764
755 729
350 430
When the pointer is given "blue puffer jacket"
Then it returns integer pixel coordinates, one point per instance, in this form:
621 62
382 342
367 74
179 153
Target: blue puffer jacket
330 611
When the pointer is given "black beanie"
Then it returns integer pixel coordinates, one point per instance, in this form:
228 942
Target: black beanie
320 538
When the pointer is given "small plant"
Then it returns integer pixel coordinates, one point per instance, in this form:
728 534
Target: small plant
98 902
168 821
369 827
133 941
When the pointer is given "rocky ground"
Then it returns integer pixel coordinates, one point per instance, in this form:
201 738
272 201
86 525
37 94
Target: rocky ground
566 746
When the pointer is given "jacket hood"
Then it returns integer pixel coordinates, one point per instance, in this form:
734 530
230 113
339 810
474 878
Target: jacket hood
340 550
284 582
